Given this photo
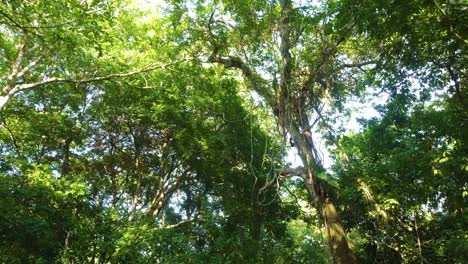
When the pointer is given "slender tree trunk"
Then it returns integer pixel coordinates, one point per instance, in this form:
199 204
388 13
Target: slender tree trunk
135 197
137 192
65 167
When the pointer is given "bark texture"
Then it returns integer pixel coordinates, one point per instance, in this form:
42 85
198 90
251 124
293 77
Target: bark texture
318 195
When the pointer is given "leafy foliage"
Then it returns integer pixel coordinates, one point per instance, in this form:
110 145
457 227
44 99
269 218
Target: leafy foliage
122 140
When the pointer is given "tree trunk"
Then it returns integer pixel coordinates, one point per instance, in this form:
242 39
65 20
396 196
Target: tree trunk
3 100
136 194
339 245
293 117
336 235
289 107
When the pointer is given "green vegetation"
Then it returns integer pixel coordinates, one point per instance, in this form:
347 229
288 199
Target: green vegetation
140 131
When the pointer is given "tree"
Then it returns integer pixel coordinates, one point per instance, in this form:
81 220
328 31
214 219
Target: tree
411 160
293 59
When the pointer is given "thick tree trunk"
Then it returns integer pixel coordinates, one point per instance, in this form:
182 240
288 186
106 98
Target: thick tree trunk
339 245
336 235
293 117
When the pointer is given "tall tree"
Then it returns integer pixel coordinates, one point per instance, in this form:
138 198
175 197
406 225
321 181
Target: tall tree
293 58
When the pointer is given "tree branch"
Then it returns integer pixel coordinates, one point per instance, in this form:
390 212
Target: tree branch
287 172
9 90
30 65
458 91
250 74
15 23
329 52
285 32
298 171
16 65
150 67
12 137
358 64
180 224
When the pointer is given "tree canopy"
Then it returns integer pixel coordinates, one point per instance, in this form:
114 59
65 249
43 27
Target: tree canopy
140 131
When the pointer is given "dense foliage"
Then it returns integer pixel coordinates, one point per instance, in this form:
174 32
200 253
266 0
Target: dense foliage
158 132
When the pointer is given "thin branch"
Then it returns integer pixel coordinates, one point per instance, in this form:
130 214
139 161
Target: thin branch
181 224
165 192
30 66
15 23
16 65
358 64
458 91
267 185
151 67
288 172
291 193
298 171
326 56
12 137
